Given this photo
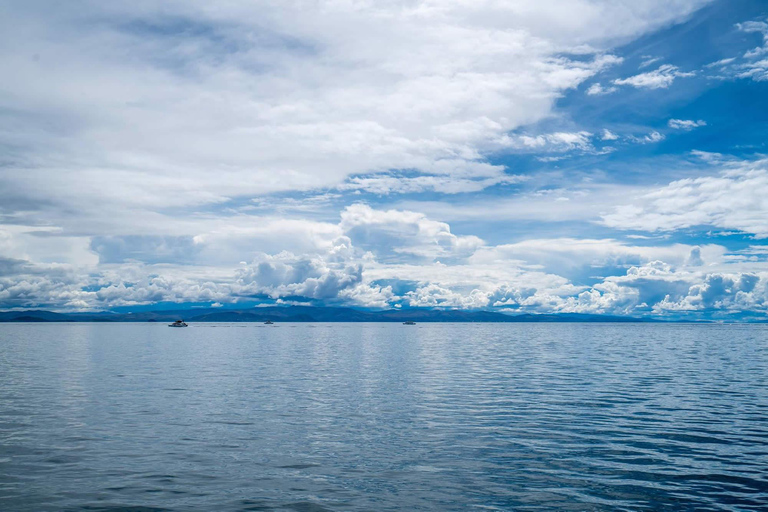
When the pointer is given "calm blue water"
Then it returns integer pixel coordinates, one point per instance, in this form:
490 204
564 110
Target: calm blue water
383 417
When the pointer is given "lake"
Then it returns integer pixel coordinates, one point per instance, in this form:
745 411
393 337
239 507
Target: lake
326 417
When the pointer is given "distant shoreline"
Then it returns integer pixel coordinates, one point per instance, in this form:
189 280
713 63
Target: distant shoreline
310 314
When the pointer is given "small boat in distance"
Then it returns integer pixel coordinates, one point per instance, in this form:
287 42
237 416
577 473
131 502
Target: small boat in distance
178 323
269 322
409 322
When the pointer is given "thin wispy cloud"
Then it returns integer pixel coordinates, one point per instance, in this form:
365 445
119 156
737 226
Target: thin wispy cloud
597 89
661 78
685 124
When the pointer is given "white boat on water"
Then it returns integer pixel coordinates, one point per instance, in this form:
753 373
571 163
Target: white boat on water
178 323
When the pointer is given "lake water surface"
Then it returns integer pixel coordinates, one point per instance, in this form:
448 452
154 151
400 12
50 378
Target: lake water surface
316 417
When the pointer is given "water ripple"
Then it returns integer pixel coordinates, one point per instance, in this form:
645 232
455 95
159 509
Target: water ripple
380 417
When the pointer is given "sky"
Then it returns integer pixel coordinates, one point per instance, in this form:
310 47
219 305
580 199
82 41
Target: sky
520 156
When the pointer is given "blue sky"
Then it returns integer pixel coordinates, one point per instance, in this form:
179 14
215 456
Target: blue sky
585 156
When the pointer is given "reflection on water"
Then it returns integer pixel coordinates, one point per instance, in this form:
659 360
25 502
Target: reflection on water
383 417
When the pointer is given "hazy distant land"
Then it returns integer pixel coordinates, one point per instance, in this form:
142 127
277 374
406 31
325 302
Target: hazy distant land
307 314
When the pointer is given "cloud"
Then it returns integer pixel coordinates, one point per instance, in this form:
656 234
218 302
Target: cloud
149 249
286 274
736 292
708 156
557 142
735 199
181 140
661 78
694 258
757 71
384 184
432 295
22 291
752 64
651 287
647 139
658 288
685 124
71 288
357 261
370 296
544 201
396 236
720 63
648 60
562 253
153 289
760 27
185 105
537 275
753 26
598 90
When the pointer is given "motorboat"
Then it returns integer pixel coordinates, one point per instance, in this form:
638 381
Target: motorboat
409 322
178 323
269 322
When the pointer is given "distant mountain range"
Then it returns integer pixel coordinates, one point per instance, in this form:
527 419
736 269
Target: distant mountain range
306 314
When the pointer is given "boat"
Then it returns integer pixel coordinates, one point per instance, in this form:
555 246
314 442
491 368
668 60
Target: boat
269 322
409 322
178 323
